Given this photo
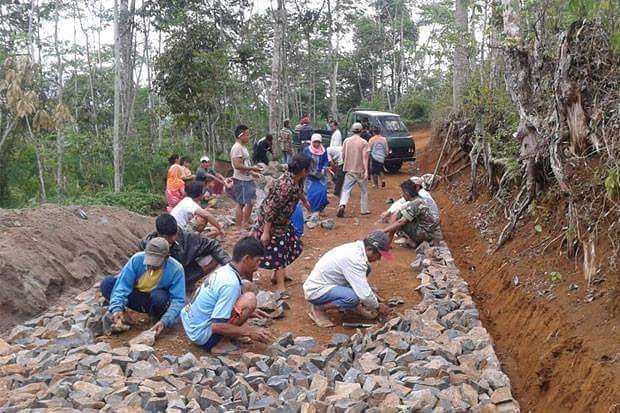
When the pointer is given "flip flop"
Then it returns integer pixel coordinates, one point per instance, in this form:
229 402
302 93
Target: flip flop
318 321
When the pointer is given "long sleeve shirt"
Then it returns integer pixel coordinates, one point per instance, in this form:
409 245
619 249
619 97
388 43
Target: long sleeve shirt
347 266
172 280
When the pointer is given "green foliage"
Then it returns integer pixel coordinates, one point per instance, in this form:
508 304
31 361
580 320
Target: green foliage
414 109
612 183
144 203
377 102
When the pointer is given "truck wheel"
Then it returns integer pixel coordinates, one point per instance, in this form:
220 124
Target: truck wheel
393 166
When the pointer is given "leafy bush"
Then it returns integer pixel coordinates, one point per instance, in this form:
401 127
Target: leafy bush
144 203
414 109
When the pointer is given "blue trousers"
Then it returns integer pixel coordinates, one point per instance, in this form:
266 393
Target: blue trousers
154 303
344 297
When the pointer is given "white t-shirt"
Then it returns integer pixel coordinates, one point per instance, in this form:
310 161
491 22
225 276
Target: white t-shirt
240 151
336 139
334 154
184 211
347 266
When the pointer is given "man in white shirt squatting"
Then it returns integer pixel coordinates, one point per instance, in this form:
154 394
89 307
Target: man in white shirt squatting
339 280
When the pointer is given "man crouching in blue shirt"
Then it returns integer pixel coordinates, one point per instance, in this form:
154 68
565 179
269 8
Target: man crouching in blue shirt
151 282
219 308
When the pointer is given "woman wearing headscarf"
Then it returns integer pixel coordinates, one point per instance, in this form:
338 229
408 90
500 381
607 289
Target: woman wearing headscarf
175 185
316 184
273 225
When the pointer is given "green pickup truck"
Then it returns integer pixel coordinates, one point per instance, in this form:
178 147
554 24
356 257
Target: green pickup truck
400 142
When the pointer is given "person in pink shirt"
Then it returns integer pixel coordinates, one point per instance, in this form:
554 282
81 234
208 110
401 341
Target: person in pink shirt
355 153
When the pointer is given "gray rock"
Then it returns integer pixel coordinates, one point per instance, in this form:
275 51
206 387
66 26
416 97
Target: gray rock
140 352
156 404
187 361
328 224
146 338
278 383
285 340
338 339
141 369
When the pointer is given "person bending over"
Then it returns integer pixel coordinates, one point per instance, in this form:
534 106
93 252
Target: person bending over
190 216
219 308
414 220
198 255
151 282
392 211
339 280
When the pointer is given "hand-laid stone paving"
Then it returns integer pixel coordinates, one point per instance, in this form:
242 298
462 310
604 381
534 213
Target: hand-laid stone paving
436 357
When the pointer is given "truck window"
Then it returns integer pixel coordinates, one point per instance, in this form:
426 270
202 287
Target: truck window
393 124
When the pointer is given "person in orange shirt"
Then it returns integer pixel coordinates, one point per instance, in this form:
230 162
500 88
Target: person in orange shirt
175 185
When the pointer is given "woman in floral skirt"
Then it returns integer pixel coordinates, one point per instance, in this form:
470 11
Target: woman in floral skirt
274 227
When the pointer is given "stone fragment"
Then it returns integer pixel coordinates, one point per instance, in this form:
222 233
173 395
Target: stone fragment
328 224
140 352
421 400
500 395
209 398
338 339
351 390
319 385
156 404
187 361
146 338
369 363
141 369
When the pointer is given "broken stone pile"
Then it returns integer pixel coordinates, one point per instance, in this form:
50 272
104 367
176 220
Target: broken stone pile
434 358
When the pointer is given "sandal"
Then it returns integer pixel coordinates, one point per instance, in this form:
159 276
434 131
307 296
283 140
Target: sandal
323 323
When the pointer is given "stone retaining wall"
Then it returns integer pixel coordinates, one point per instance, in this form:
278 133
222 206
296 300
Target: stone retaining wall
434 358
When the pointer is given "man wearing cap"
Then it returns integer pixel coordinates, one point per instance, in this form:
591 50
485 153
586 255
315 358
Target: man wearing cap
151 282
355 153
214 180
388 215
414 219
339 280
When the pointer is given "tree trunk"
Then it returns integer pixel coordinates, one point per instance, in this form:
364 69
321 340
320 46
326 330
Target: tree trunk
37 154
276 67
60 138
124 90
460 66
333 56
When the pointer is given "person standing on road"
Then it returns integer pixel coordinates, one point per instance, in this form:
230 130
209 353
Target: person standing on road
243 191
285 138
220 307
355 154
339 280
316 183
274 227
336 139
378 151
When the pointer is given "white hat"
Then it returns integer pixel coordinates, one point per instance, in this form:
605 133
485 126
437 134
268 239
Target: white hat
417 180
204 159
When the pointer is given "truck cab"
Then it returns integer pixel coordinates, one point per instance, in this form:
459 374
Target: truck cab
400 142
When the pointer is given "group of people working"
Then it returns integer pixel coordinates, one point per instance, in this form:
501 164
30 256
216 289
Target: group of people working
176 255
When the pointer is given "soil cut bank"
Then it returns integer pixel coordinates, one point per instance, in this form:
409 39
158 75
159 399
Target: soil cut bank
51 252
557 338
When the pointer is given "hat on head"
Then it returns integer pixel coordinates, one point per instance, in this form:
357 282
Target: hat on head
204 159
417 180
380 241
316 137
356 127
156 252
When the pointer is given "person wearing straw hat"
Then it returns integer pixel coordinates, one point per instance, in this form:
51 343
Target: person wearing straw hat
151 282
